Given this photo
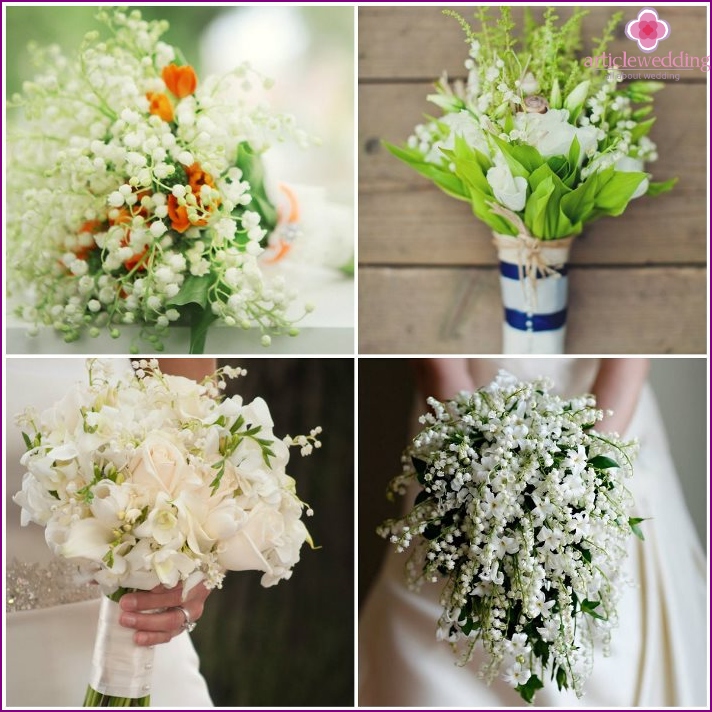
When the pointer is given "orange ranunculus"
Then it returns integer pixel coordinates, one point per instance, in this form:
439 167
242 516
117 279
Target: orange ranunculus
178 214
160 105
181 81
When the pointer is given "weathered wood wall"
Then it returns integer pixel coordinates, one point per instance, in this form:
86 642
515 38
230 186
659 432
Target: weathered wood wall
428 281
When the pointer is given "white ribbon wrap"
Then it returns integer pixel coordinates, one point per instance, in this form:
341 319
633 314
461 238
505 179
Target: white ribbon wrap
119 667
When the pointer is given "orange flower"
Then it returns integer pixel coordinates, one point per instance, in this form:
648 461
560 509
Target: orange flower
178 214
134 260
160 105
181 81
92 227
197 177
131 262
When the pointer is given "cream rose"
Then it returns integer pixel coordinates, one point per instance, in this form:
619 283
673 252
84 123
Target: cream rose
159 465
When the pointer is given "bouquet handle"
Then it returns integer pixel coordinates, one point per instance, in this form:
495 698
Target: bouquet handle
121 670
534 284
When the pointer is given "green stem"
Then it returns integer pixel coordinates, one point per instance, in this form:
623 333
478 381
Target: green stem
97 699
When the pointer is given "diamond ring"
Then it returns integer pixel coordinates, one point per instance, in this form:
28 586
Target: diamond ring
188 624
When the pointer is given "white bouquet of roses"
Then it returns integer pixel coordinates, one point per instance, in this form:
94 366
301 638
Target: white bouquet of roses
136 192
152 479
524 513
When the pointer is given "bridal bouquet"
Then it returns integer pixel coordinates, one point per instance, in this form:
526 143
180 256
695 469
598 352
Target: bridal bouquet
540 144
152 479
524 513
137 192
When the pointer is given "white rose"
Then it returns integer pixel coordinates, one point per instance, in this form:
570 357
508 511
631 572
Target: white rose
627 164
246 550
552 135
509 190
159 465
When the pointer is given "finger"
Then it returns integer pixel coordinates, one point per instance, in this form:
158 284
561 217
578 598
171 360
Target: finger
159 597
171 620
147 639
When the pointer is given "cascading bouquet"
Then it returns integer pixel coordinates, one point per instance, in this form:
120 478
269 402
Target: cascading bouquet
152 479
136 193
524 513
540 144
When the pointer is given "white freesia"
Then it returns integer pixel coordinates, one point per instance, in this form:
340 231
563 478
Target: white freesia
150 479
552 134
510 190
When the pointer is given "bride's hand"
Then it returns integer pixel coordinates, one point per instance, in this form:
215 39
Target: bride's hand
155 614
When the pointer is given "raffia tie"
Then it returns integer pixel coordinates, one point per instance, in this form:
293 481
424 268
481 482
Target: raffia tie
531 261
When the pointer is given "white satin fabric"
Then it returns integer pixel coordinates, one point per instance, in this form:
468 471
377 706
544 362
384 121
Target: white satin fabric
48 651
658 652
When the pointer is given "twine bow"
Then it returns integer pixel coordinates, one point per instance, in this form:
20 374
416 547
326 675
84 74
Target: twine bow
531 262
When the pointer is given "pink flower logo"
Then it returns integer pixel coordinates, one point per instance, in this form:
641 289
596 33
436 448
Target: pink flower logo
647 30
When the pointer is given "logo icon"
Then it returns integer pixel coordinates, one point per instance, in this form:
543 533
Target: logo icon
647 30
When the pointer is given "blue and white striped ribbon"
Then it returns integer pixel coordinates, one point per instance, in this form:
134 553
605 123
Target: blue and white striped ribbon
533 322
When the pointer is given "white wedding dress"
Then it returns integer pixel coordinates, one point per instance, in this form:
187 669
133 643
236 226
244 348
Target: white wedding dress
50 621
658 652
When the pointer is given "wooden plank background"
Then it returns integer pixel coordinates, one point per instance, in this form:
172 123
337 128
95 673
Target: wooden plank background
428 281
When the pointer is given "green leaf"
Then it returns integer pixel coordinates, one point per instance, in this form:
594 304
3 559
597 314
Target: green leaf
420 467
522 159
601 462
28 442
562 680
578 205
643 87
348 267
633 523
432 531
423 496
574 152
615 192
641 113
586 554
660 187
589 607
528 690
641 129
536 207
194 290
252 167
447 181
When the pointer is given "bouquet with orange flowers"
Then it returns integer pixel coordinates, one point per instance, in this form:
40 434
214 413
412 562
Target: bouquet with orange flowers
136 193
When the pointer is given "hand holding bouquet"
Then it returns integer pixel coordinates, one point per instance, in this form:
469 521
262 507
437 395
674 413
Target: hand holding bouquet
153 479
523 512
137 192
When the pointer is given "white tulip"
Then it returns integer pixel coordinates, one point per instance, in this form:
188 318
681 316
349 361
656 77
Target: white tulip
509 190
